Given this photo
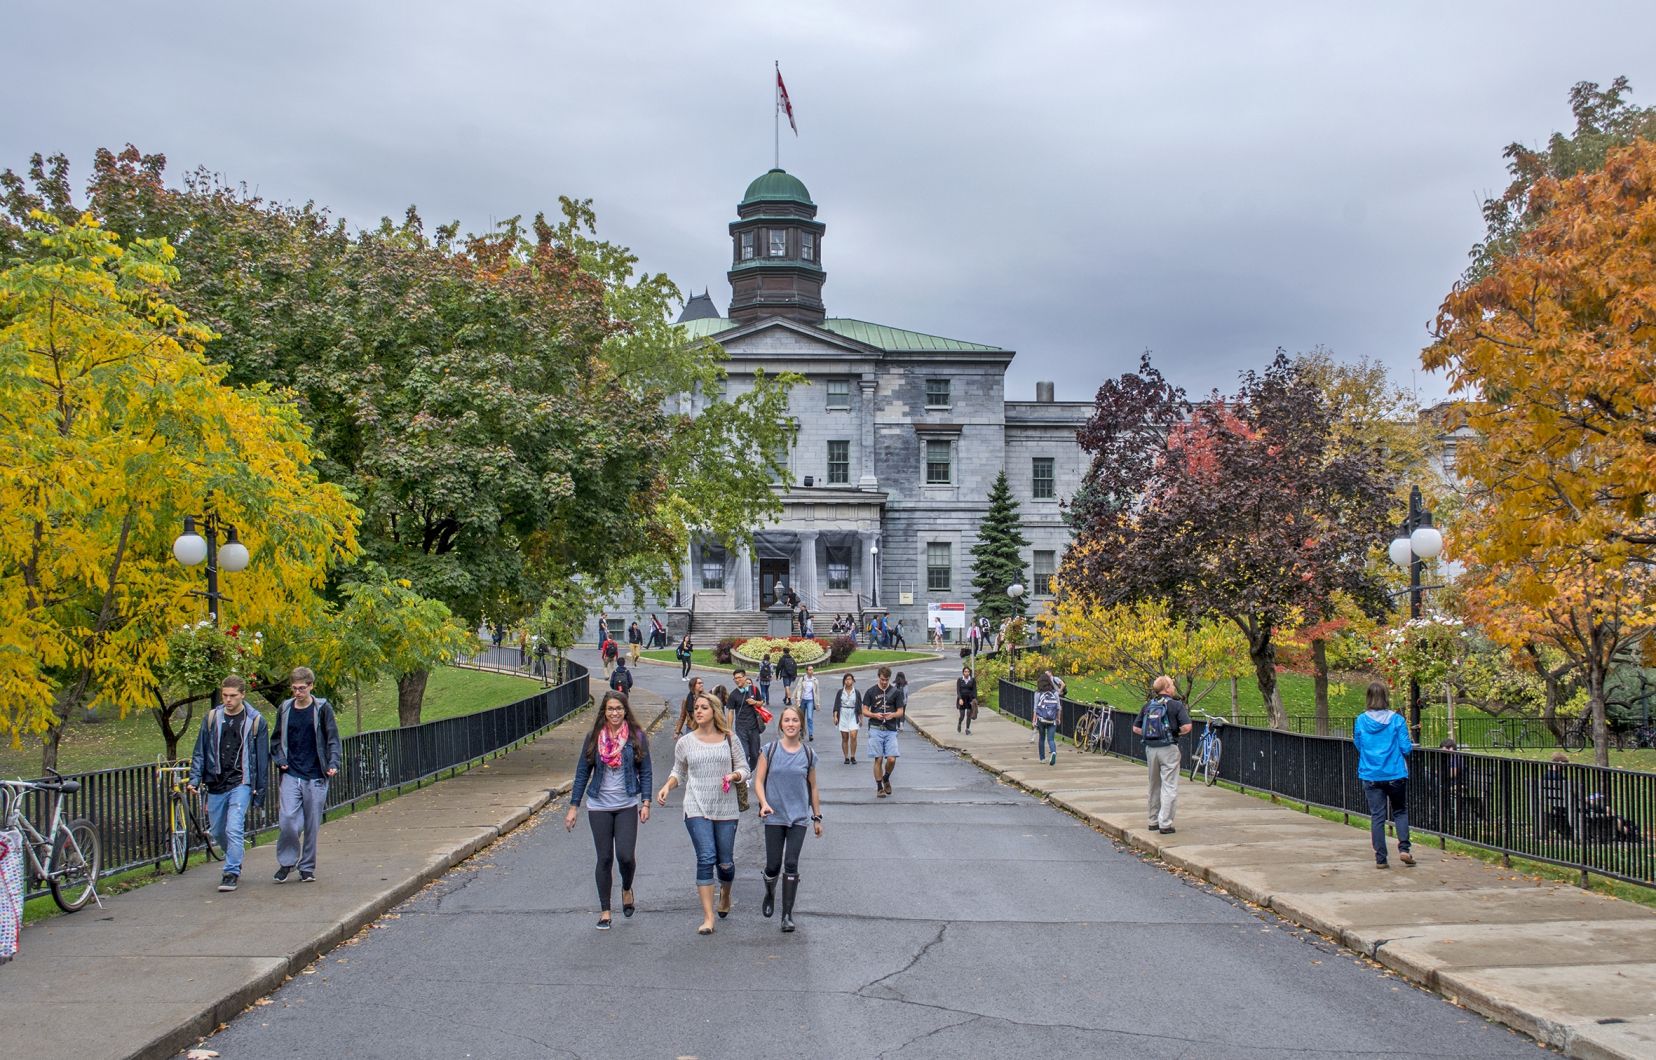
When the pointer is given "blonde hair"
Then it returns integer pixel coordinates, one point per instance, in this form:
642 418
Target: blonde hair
720 722
1163 686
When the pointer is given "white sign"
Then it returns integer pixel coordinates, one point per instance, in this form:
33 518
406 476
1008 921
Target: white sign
953 615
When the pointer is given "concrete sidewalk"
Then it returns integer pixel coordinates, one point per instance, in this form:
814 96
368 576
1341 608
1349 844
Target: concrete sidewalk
1571 968
163 965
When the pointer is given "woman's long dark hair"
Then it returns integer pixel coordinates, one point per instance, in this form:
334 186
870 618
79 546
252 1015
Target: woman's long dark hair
1043 683
1379 696
635 731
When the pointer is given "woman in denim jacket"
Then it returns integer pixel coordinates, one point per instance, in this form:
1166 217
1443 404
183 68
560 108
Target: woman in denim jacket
613 775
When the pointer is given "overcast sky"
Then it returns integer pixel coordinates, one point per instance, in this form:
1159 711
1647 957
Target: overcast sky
1077 182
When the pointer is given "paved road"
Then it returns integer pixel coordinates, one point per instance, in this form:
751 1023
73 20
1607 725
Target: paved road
960 918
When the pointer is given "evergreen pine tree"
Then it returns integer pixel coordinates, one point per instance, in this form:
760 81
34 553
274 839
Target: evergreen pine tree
996 563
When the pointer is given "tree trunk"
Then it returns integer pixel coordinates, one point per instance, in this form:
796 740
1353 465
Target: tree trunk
1319 664
411 697
358 706
1236 709
1262 652
1595 703
67 701
1549 704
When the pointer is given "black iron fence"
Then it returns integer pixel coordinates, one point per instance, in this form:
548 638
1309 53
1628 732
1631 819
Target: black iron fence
1588 818
129 804
1471 730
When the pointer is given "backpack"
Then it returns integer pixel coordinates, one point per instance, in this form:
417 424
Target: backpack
621 680
765 671
770 755
1155 721
1046 707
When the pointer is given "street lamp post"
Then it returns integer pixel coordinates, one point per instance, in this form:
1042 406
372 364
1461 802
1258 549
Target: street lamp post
874 550
1016 592
191 548
1419 542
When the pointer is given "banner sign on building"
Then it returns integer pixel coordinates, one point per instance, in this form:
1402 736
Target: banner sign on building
953 615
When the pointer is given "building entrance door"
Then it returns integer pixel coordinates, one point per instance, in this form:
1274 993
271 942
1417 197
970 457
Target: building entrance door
773 580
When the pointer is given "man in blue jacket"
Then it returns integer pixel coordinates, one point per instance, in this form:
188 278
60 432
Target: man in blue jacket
1383 746
232 760
307 749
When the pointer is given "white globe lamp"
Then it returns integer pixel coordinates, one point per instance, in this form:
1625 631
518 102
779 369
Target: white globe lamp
1426 542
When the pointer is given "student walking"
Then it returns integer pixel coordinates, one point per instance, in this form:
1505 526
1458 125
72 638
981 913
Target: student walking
965 698
766 672
621 678
788 670
894 638
684 723
306 751
686 651
613 775
610 653
635 641
1383 746
883 705
707 763
786 783
1049 707
846 709
744 704
658 632
232 760
807 701
1163 720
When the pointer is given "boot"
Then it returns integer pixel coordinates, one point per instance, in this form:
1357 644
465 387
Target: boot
770 896
790 888
705 891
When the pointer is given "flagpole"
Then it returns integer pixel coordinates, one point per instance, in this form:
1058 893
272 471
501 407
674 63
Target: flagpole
776 110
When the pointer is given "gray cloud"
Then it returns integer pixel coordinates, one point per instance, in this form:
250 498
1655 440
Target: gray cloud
1077 181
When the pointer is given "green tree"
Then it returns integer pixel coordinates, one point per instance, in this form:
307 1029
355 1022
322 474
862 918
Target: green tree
997 562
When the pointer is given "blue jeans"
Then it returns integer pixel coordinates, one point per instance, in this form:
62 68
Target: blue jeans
1387 798
808 708
227 819
715 843
1046 738
764 692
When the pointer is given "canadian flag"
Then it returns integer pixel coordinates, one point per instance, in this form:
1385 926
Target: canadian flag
783 103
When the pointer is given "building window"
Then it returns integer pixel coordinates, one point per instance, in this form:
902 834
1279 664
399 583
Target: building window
747 246
937 393
807 246
1046 565
839 463
939 463
839 394
779 242
939 570
839 569
712 567
1043 488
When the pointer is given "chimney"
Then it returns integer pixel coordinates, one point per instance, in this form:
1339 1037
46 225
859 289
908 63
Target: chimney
1043 391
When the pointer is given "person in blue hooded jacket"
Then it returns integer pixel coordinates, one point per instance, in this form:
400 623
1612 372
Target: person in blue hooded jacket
1383 746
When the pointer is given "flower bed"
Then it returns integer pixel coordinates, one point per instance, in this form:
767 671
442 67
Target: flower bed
804 650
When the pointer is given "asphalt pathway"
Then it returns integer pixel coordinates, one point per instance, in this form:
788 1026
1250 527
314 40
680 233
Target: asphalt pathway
960 918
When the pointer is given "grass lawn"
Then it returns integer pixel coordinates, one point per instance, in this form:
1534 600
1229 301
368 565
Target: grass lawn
703 657
136 738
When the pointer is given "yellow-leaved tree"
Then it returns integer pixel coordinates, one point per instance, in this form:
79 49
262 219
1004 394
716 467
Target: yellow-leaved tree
114 427
1553 347
1132 644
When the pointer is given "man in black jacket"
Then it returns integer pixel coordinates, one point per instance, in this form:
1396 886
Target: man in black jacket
232 761
788 670
306 750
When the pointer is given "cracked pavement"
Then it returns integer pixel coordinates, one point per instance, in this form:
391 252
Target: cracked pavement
960 918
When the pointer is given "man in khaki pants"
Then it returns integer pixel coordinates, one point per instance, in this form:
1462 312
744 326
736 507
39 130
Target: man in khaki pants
1162 721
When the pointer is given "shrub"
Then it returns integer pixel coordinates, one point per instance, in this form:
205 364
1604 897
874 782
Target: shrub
721 650
804 651
840 648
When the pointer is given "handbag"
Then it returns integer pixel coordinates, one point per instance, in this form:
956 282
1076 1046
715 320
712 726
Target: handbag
972 714
764 715
741 785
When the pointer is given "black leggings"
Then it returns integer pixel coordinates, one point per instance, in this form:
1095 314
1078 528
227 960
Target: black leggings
750 739
775 860
684 665
615 834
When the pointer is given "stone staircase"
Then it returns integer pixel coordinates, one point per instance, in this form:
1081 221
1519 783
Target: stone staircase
710 627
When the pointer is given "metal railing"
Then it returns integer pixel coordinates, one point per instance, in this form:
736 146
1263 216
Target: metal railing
1588 818
129 803
1474 731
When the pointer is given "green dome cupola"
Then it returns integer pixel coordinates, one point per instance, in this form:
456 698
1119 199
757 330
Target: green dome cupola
776 252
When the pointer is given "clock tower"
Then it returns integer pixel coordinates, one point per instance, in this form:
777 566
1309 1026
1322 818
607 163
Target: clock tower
776 252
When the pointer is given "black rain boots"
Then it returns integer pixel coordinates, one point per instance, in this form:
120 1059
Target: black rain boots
770 896
790 888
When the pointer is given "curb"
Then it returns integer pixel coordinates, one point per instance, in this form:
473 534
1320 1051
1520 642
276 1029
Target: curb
1571 1039
238 999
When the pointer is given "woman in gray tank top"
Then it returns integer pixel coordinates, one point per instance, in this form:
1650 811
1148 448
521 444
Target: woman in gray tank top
786 783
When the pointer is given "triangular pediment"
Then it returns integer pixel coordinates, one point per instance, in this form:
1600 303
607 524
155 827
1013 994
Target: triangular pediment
780 338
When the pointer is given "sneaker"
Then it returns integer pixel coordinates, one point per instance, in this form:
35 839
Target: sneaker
1153 826
1381 865
1406 858
283 873
887 784
1168 829
879 790
307 877
847 759
228 883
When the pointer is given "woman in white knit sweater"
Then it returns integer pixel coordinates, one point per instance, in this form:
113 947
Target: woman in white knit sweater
708 763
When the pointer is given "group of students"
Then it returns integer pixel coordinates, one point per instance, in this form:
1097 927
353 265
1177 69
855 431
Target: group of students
718 752
234 751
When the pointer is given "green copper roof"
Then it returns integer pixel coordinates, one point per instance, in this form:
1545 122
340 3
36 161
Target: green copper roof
876 335
896 338
777 186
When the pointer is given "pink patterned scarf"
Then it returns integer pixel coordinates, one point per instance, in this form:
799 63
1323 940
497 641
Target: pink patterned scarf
609 748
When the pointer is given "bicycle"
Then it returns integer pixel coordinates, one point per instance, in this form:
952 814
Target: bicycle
69 854
186 816
1208 748
1094 729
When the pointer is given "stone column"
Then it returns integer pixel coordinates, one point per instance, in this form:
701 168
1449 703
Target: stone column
870 573
865 414
741 582
687 583
807 580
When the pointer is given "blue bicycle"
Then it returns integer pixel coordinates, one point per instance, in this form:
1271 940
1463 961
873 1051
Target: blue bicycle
1206 763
